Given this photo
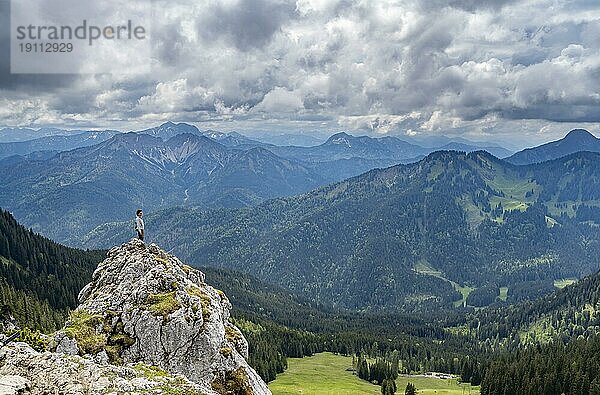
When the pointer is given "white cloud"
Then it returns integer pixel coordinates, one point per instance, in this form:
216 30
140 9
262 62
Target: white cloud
280 100
175 96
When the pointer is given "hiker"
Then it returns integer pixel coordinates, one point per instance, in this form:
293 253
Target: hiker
139 224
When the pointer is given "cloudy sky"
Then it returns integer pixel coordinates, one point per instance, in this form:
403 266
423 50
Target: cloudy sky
519 72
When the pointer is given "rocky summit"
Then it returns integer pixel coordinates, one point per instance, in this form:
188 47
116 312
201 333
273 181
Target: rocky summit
146 323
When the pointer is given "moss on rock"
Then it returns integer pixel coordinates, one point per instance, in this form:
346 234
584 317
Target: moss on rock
233 382
231 334
95 333
150 371
117 341
162 260
82 327
226 351
162 304
34 338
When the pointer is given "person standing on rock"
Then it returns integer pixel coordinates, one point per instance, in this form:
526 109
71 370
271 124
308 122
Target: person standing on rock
139 224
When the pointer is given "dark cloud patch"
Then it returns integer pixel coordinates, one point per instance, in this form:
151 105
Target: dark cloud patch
248 24
555 112
466 5
419 65
169 43
34 84
529 56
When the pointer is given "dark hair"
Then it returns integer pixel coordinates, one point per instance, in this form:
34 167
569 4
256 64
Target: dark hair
139 210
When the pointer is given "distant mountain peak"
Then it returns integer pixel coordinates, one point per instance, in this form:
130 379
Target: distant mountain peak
341 138
188 137
580 134
170 129
132 137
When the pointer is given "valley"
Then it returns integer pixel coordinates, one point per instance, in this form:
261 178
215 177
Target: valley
450 264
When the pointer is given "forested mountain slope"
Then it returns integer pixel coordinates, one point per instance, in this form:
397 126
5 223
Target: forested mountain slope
408 235
43 269
564 315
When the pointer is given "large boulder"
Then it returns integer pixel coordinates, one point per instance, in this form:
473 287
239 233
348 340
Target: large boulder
146 307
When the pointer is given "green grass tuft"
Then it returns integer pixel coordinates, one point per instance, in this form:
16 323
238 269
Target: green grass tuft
149 371
33 338
82 327
162 304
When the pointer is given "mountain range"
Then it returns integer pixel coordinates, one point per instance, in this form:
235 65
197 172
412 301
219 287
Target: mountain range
111 174
405 235
74 191
440 258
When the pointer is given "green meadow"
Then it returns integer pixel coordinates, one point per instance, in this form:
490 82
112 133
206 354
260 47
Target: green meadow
326 374
323 373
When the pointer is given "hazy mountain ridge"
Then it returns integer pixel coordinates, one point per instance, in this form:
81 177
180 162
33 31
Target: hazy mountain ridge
10 134
345 146
575 141
330 158
54 143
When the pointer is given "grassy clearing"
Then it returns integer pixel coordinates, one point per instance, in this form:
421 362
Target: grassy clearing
503 293
424 267
431 385
517 192
511 184
560 284
323 373
541 331
465 291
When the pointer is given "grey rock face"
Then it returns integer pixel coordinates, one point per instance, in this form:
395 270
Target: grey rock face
66 345
13 385
145 306
26 371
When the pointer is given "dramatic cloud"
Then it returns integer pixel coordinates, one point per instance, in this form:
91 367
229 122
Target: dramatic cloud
488 69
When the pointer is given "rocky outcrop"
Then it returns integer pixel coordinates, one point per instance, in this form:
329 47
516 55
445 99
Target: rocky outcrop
29 372
146 307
